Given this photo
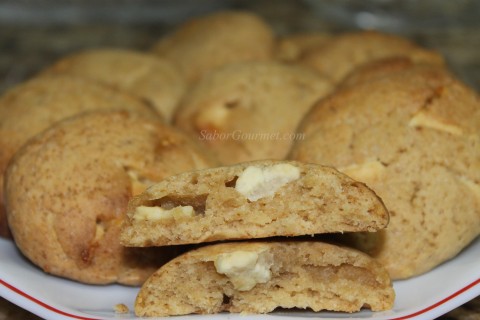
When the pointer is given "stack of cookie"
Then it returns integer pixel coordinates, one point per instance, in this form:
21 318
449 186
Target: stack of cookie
252 201
122 166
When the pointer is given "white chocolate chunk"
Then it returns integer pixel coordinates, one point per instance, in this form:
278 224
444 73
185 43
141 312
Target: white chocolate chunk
423 119
474 187
158 213
244 268
368 171
99 232
215 115
137 186
256 183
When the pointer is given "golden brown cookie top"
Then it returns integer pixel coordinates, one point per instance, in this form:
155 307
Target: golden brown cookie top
33 106
249 111
343 53
144 75
208 42
391 113
401 98
71 184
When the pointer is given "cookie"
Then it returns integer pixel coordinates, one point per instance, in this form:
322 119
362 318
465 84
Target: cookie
251 200
150 77
33 106
292 47
67 191
208 42
257 277
250 111
343 53
414 138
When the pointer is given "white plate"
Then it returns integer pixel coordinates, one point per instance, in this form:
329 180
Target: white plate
425 297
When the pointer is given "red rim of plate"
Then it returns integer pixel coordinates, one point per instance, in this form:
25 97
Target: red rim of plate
43 304
73 316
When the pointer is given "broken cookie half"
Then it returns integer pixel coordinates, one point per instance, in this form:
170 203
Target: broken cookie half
251 200
258 277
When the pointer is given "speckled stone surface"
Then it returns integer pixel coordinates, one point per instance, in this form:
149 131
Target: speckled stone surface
26 49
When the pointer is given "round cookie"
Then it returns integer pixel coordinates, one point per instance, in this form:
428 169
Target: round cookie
150 77
67 191
250 111
414 138
33 106
208 42
345 52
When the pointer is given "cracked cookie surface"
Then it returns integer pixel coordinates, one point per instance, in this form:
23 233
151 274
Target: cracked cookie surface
414 138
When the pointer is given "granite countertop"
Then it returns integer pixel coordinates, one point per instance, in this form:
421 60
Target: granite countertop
27 48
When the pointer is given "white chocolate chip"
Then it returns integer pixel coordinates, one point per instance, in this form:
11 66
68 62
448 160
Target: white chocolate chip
214 115
256 183
158 213
474 187
423 119
245 268
138 187
99 232
367 171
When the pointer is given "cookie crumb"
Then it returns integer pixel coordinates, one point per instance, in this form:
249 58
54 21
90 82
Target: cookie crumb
121 308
